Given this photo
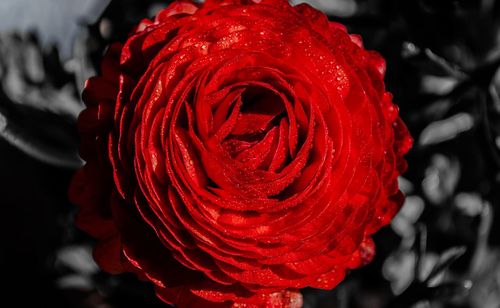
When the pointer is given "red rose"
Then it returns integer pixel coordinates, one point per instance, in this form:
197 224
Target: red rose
238 151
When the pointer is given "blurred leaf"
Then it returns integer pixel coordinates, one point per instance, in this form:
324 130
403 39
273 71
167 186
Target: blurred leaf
445 260
403 223
446 129
438 85
495 91
441 178
26 139
405 185
38 103
430 63
78 258
332 7
419 291
485 265
470 204
75 281
449 290
398 269
55 21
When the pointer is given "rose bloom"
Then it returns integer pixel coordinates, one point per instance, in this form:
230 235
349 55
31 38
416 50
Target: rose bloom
238 151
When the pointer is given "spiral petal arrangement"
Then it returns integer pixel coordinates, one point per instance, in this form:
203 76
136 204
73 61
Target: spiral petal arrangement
237 151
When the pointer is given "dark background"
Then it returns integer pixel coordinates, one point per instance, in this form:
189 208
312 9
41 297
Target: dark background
442 249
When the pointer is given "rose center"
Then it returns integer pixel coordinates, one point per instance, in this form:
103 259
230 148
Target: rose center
257 131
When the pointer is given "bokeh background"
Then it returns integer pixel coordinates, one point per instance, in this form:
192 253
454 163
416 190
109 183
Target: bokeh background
441 250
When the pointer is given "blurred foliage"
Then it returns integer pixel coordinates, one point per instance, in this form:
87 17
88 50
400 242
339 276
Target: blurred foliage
441 250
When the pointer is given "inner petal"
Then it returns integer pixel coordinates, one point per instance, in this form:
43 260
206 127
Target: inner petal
260 107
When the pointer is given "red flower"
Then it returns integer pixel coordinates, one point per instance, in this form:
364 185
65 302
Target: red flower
237 151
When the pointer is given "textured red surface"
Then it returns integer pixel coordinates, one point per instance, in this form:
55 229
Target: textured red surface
238 151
